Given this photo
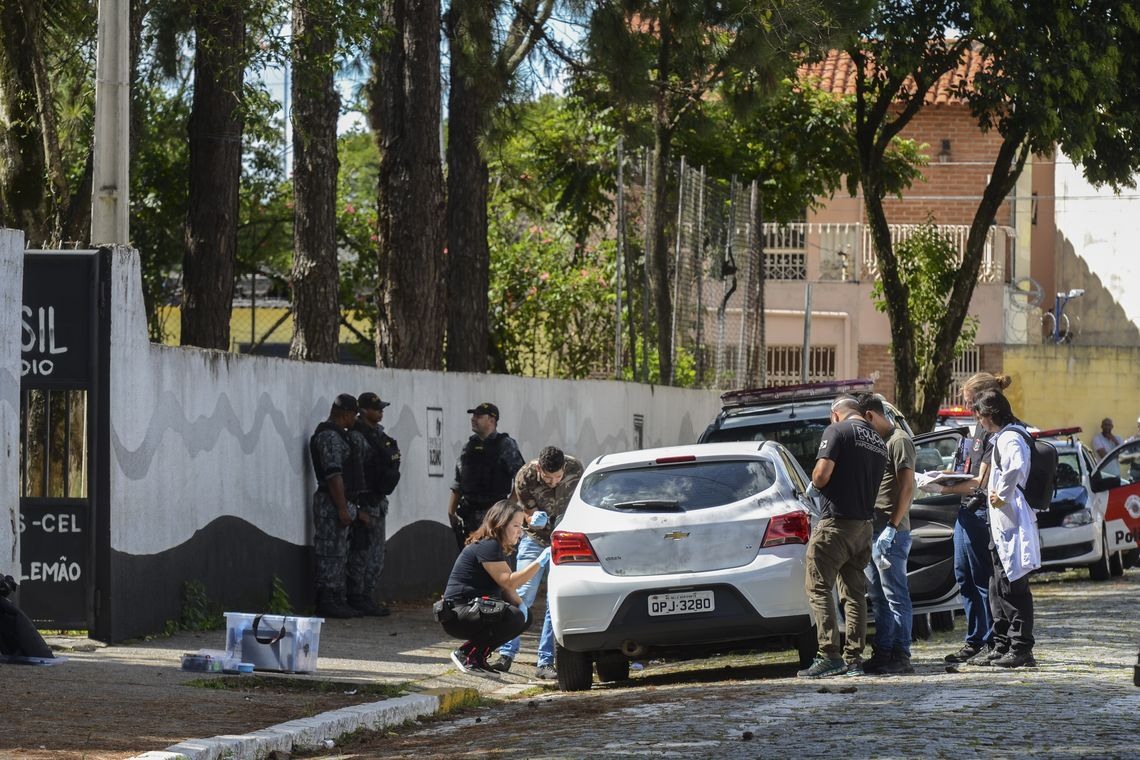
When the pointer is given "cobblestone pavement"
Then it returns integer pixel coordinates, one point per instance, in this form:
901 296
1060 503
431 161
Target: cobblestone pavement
1080 702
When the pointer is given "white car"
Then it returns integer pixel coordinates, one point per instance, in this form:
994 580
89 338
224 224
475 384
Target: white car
1073 530
699 546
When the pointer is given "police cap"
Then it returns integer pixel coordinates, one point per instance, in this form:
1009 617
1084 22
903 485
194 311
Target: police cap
485 408
370 400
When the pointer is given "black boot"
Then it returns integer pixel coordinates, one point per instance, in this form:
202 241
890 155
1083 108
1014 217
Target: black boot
366 606
329 605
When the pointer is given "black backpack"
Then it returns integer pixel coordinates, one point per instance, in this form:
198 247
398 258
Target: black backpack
1040 484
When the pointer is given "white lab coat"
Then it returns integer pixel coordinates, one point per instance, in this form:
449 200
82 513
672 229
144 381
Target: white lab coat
1013 526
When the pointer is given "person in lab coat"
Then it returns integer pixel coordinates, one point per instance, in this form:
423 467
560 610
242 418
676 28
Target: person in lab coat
1016 544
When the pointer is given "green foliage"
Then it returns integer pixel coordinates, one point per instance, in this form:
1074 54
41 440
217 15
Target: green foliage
927 269
684 368
279 603
199 612
551 302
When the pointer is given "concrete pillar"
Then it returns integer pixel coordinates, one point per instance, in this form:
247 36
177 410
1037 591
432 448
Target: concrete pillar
11 300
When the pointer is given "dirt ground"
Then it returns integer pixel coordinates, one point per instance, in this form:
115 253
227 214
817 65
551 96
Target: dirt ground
101 721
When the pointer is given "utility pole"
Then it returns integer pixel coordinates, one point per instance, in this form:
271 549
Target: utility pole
110 197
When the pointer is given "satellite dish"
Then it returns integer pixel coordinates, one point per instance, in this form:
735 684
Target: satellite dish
1026 293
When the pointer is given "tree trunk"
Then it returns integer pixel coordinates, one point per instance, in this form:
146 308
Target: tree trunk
658 258
468 255
215 134
404 114
316 107
24 201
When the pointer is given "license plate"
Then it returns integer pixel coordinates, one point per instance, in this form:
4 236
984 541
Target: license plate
682 603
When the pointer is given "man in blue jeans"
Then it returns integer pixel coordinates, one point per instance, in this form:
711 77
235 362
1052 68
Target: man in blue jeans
543 487
886 573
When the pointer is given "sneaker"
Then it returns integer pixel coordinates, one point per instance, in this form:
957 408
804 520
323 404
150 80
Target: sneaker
855 667
546 673
822 667
460 658
898 664
965 654
1015 660
503 664
986 657
874 666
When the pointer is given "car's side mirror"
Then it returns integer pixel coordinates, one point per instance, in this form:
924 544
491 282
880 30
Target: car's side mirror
1098 481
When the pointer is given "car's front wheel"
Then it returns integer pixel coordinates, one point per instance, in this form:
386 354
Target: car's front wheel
1116 564
612 666
1100 570
942 621
575 669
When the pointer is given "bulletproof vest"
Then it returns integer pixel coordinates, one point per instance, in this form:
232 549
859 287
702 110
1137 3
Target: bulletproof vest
482 481
353 471
382 472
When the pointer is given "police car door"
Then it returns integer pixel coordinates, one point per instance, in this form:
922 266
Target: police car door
930 569
1118 476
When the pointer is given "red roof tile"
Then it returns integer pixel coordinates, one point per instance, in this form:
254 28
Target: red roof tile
836 74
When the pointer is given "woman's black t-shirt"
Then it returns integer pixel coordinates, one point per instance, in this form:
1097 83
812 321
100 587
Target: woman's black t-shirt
468 578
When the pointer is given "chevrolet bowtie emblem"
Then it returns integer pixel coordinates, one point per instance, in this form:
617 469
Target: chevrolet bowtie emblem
675 536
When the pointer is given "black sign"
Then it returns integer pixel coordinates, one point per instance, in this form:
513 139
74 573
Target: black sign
58 318
53 560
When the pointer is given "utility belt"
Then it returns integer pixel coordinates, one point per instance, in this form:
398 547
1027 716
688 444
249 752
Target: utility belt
470 507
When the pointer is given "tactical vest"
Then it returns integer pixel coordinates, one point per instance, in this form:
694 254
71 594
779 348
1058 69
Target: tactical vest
482 481
382 473
352 474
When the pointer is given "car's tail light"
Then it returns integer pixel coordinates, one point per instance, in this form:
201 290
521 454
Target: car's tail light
790 528
568 548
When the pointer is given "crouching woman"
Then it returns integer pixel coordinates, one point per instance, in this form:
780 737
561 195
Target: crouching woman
480 604
1013 531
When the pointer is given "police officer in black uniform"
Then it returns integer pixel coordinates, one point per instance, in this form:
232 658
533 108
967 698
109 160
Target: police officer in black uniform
340 480
484 473
381 461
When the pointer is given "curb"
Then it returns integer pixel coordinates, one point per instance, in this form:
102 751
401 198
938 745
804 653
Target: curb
310 733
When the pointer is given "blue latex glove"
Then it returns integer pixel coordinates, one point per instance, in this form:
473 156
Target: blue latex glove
523 608
885 540
813 491
544 558
539 519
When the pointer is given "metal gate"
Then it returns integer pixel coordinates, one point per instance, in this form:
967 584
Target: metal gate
63 339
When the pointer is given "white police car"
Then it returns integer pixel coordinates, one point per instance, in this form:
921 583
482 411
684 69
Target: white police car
1075 529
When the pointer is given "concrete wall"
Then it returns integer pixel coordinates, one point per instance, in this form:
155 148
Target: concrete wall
1067 385
11 290
210 474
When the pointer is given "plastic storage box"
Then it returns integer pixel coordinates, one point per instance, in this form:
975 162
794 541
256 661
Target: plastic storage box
282 643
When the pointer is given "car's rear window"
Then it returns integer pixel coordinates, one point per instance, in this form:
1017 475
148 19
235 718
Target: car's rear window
682 487
800 436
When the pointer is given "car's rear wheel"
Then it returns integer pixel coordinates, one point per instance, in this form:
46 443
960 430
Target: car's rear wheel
1116 564
575 669
920 627
1100 570
807 645
942 621
612 666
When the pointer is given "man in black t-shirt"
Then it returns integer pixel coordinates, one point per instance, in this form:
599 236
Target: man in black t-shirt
847 473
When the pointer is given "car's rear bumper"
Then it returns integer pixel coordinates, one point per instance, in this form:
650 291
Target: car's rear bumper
733 620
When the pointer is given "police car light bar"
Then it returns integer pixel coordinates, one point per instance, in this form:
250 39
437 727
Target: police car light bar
1056 432
795 392
955 411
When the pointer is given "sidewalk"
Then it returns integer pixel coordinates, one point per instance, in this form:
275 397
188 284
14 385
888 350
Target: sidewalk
111 703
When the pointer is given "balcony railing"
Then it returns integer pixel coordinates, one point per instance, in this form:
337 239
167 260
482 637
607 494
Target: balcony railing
846 253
